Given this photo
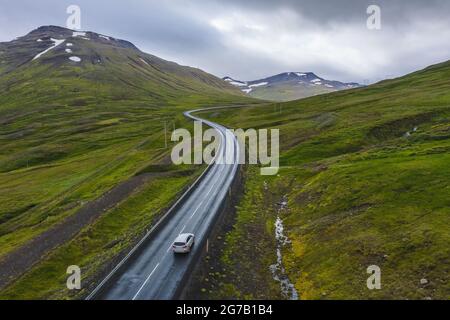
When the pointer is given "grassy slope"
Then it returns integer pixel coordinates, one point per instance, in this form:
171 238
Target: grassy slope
359 193
99 243
70 132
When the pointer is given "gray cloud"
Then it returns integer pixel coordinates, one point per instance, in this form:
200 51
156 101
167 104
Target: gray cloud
255 38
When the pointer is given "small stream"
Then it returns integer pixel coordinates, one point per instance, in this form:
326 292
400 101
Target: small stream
277 269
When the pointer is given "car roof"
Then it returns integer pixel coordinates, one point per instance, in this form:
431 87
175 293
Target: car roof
183 237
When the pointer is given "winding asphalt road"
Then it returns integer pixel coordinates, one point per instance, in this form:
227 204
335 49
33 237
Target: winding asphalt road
154 271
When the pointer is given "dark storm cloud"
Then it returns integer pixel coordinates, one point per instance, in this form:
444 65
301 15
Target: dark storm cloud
255 38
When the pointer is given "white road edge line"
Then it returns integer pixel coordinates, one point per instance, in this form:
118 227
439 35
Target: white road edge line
145 282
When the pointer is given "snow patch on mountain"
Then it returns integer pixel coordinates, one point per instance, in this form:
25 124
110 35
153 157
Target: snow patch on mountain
78 34
56 42
144 61
235 82
75 59
243 85
258 84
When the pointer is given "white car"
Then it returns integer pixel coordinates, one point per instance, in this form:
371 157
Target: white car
183 243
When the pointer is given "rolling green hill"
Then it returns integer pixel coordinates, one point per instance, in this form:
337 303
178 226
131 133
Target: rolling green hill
77 120
366 177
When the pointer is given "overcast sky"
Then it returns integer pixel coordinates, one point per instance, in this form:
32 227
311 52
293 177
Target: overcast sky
253 39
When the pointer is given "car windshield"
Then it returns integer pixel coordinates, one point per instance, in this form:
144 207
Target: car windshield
179 244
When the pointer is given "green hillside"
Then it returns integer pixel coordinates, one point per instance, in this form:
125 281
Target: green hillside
366 175
72 130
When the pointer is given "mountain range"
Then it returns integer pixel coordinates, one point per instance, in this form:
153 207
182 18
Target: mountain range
289 86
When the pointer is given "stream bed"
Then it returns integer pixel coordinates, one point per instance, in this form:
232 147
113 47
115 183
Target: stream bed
278 271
